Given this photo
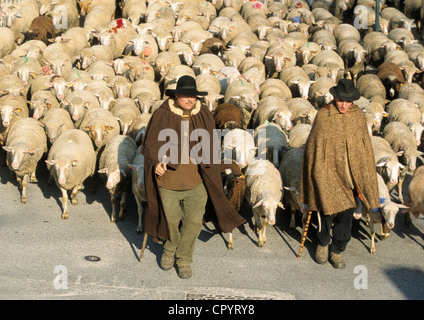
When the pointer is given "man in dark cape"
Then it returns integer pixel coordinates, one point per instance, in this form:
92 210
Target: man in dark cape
166 120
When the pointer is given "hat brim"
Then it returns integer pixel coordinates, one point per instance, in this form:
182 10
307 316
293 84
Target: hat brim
351 96
185 92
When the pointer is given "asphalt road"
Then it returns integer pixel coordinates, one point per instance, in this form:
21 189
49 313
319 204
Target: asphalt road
44 257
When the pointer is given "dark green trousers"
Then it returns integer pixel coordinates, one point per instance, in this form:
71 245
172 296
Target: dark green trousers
184 212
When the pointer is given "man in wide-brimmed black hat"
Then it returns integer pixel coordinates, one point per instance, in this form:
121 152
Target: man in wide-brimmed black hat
180 176
338 170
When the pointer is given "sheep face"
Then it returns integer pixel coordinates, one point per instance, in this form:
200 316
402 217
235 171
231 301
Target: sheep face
62 169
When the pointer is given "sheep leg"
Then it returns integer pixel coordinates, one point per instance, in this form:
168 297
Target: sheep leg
230 241
264 230
400 184
140 215
74 199
64 203
113 201
33 178
123 205
384 235
293 219
23 181
372 231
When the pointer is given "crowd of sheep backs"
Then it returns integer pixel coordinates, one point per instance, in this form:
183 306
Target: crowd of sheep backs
80 79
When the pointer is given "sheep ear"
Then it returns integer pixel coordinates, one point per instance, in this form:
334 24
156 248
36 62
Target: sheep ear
258 203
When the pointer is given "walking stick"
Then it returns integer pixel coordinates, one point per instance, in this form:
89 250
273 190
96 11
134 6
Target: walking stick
305 231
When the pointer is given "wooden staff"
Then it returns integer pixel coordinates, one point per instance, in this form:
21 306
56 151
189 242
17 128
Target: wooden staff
305 231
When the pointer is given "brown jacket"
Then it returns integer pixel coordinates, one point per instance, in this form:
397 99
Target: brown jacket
219 208
338 161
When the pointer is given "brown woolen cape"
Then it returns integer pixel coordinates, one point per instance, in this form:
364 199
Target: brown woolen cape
219 208
337 140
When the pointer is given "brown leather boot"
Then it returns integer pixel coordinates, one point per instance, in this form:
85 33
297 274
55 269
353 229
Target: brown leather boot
337 260
321 255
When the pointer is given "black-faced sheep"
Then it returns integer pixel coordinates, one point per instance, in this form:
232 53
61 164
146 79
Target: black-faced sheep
234 184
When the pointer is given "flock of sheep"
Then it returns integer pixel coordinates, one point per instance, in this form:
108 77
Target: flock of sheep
81 78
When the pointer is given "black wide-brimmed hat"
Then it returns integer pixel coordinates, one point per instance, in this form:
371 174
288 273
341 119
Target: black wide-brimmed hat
345 90
186 85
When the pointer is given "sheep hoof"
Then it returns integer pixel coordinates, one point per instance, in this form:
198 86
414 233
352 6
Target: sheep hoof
23 200
260 244
384 236
65 216
230 246
372 251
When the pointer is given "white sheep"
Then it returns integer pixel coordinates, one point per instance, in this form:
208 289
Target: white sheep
184 51
386 161
271 140
239 145
297 80
290 170
12 84
273 109
302 110
387 211
242 94
103 92
396 18
210 84
371 87
306 52
264 192
145 92
71 160
275 87
120 85
415 195
402 141
299 134
96 52
78 103
401 59
207 63
55 122
134 11
101 126
164 61
137 185
138 127
278 56
125 110
41 102
377 45
405 111
8 41
101 70
331 60
118 153
319 92
25 145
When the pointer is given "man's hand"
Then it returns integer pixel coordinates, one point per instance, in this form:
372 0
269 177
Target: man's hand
160 169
